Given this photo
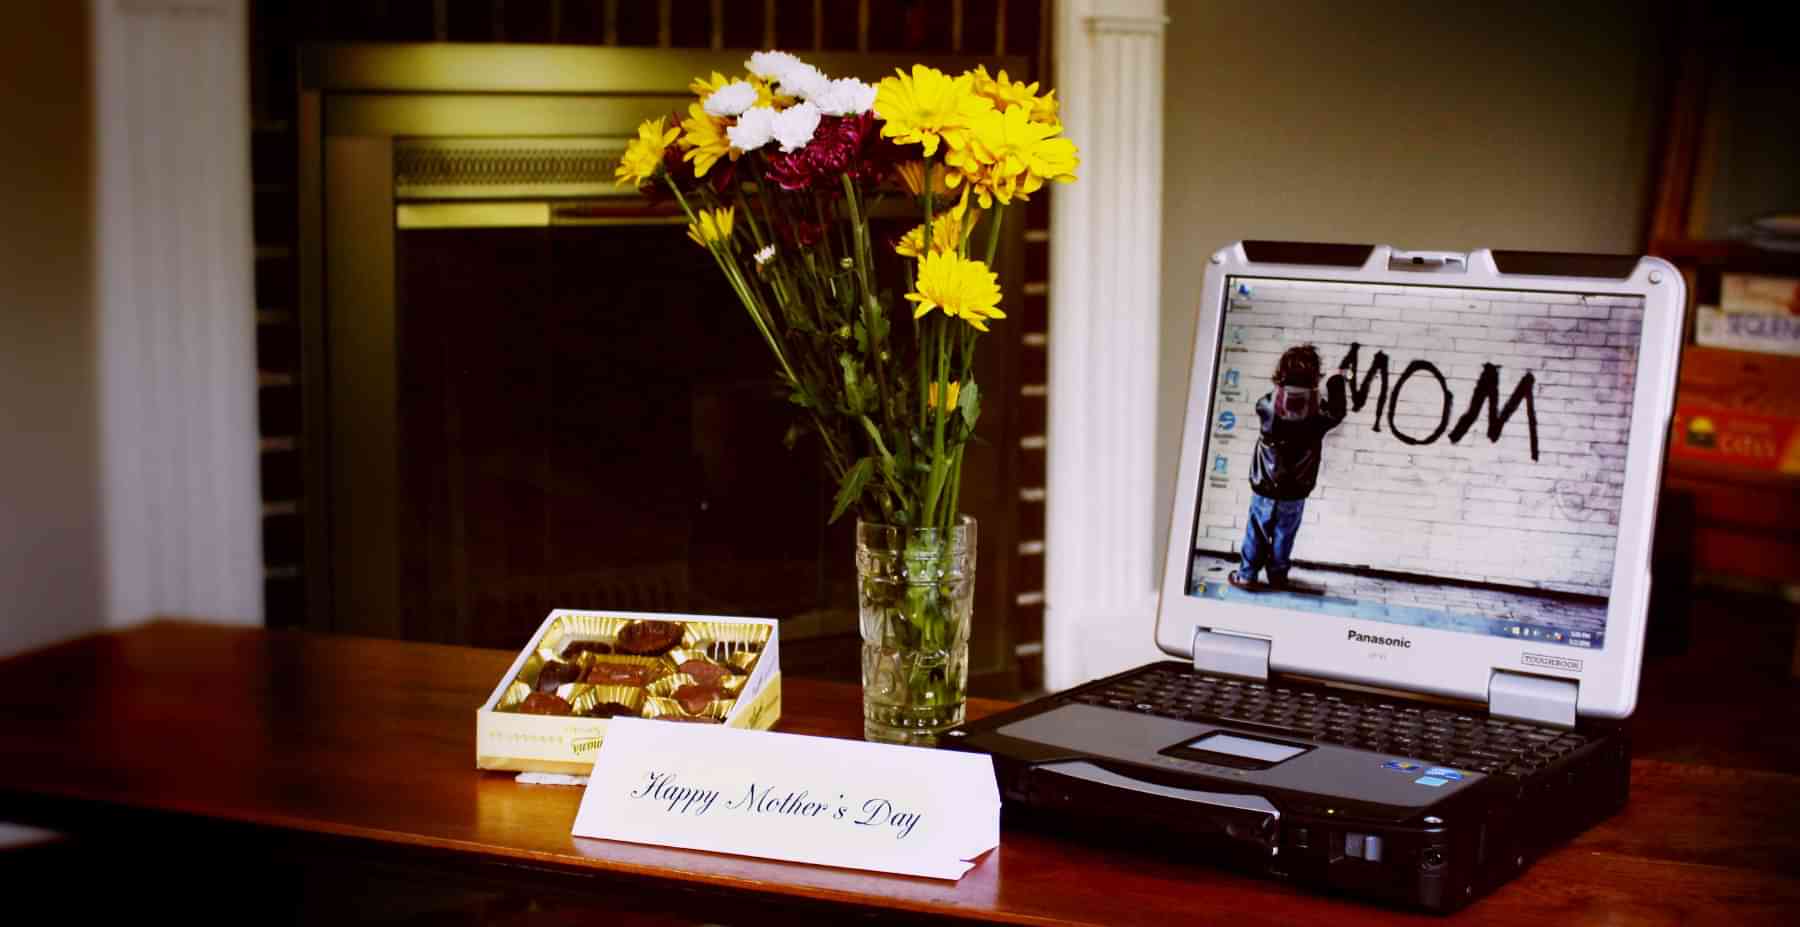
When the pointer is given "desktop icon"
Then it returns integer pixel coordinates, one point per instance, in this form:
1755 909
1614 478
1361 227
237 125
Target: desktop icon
1227 420
1231 378
1221 465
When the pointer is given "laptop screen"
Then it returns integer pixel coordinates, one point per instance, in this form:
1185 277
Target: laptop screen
1418 455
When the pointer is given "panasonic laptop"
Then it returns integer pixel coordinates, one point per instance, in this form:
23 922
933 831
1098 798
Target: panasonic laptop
1440 526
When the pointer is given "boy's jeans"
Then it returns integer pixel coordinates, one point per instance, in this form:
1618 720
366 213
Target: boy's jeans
1269 538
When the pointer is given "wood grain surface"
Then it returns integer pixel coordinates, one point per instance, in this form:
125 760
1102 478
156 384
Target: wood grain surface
364 749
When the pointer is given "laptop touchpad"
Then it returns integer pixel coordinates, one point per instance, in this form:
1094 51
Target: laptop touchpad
1104 731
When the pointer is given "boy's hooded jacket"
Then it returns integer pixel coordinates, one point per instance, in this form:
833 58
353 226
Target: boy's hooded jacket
1286 464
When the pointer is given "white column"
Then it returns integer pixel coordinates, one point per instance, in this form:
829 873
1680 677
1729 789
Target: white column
177 348
1105 278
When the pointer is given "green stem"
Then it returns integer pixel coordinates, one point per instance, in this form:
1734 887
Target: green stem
939 466
871 309
750 217
882 449
925 243
993 242
745 294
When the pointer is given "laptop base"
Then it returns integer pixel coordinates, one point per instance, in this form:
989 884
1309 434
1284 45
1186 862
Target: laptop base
1088 769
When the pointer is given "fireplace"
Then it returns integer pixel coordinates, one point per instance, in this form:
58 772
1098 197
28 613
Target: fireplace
526 390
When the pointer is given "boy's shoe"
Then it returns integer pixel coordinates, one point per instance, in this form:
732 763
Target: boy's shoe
1242 582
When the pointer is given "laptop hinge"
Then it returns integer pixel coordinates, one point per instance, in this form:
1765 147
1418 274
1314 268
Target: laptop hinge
1518 697
1228 654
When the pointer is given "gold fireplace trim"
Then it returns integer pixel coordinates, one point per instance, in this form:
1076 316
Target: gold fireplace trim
507 168
411 216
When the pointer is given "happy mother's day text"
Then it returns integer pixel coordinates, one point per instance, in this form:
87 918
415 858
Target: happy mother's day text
676 798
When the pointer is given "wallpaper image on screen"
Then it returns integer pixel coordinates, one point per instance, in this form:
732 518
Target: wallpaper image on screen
1419 455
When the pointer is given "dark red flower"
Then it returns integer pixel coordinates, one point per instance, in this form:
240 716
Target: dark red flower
841 145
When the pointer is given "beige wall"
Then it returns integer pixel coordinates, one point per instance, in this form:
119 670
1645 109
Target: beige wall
1422 125
50 541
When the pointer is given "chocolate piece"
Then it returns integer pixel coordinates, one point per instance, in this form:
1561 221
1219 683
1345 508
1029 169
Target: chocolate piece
695 698
707 674
543 703
621 674
555 674
610 710
577 648
649 638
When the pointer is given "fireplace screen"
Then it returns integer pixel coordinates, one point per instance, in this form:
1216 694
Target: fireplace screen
587 419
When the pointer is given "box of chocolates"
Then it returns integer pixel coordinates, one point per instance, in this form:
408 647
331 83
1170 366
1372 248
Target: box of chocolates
581 668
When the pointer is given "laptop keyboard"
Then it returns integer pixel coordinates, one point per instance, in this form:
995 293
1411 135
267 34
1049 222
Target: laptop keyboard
1443 736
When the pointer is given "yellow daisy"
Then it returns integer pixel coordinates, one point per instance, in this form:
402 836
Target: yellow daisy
950 395
1007 93
1005 155
711 226
704 138
963 288
912 174
766 95
703 87
947 229
644 154
927 105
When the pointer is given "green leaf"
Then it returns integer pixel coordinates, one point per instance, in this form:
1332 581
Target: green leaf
968 402
852 488
856 393
792 437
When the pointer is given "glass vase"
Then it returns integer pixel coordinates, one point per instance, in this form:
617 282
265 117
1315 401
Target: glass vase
915 595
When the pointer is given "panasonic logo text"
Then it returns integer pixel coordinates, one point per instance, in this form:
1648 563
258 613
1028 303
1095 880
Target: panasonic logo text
1362 638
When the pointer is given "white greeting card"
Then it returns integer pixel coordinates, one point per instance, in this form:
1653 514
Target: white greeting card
819 800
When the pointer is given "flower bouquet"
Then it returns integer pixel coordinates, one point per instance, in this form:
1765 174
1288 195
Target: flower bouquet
781 174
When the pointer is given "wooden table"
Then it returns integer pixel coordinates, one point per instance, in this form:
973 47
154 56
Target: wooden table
248 744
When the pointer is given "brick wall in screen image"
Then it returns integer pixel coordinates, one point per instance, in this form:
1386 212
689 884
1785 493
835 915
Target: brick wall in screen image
1472 509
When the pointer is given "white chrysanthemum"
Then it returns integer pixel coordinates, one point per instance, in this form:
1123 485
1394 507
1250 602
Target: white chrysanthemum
730 100
765 255
794 126
754 129
804 81
771 65
845 96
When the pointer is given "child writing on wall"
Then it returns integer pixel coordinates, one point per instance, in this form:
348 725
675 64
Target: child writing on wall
1285 466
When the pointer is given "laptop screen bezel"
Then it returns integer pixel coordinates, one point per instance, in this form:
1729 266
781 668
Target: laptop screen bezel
1451 663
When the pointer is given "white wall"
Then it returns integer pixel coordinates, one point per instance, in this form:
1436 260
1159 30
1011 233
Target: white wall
50 572
51 583
1416 124
128 483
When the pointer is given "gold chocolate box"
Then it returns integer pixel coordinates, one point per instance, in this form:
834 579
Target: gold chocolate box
550 711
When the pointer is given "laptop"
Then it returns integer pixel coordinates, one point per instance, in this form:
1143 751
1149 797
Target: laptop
1407 578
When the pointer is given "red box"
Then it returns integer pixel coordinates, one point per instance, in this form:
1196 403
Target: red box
1737 409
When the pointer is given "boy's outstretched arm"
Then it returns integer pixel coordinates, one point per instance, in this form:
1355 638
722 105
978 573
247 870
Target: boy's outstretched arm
1336 401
